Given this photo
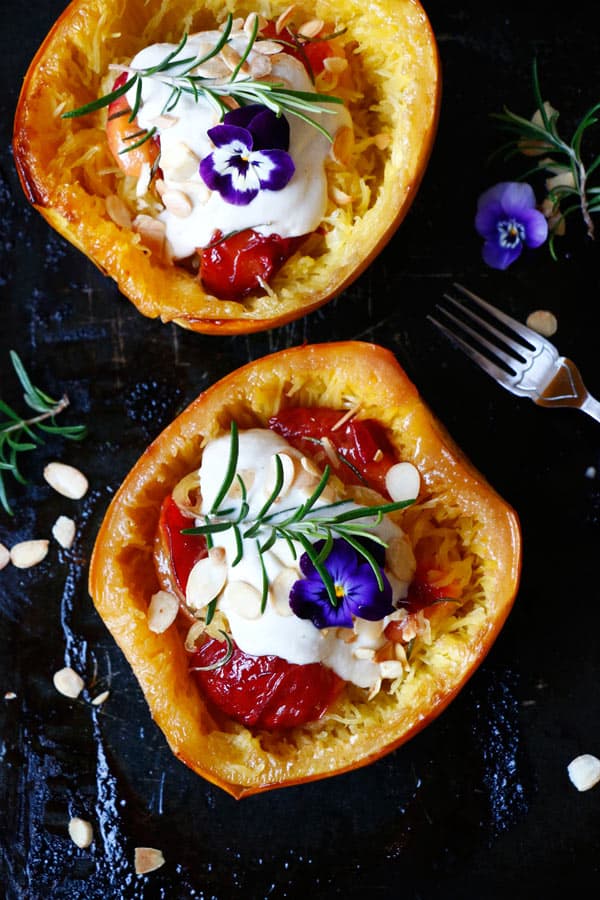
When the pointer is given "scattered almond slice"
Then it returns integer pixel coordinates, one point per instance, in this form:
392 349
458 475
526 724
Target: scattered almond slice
335 64
311 28
543 322
81 832
232 60
147 859
285 17
66 480
243 599
180 161
4 556
101 698
584 771
26 554
280 591
268 48
10 695
403 482
177 203
63 531
117 211
68 682
162 611
207 579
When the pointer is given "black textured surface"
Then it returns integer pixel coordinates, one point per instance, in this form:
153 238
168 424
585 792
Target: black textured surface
479 805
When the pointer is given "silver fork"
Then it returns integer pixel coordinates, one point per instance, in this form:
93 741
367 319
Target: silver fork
520 359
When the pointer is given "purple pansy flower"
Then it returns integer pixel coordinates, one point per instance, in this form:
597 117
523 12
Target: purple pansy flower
355 585
507 219
250 154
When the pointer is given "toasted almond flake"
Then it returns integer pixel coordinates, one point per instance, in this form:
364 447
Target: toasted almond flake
206 580
280 591
289 468
260 66
253 19
403 482
66 480
118 211
400 559
363 653
68 682
152 231
177 203
181 162
63 531
543 321
101 698
311 28
10 695
4 556
343 144
232 58
213 68
162 611
147 859
309 467
391 668
584 771
243 599
26 554
81 832
285 17
196 630
268 48
335 64
382 140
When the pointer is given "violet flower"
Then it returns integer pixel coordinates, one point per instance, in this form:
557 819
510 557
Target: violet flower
250 154
507 219
355 587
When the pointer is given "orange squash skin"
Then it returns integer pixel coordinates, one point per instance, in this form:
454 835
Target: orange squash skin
122 577
72 198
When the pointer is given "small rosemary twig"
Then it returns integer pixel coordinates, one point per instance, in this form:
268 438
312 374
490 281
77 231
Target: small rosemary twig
18 435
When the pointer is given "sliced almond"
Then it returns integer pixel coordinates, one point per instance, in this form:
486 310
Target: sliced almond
584 771
101 698
206 580
254 20
343 145
179 161
162 611
81 832
311 28
177 203
391 668
309 466
66 480
68 682
153 233
147 859
280 591
543 321
335 64
403 482
117 211
63 531
286 16
28 553
243 599
268 48
4 556
232 59
260 65
400 559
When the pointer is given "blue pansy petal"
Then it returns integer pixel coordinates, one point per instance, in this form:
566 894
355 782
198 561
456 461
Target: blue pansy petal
223 135
486 220
242 115
536 227
498 257
365 599
274 168
270 132
309 600
517 197
507 219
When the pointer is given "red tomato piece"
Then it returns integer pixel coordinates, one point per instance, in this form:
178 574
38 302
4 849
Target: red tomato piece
265 691
182 550
361 442
312 54
235 266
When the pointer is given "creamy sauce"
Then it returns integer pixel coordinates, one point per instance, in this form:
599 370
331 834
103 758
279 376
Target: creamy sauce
278 631
295 210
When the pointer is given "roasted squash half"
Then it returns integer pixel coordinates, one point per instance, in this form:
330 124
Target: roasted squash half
70 176
456 509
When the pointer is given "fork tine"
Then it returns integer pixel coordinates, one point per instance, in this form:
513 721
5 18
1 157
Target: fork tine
493 348
532 337
487 365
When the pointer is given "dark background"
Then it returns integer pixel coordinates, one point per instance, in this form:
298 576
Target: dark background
479 805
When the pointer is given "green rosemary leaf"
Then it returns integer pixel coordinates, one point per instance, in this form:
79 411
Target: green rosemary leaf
239 546
73 432
323 573
363 511
208 528
231 467
362 550
210 610
147 136
265 580
101 102
306 507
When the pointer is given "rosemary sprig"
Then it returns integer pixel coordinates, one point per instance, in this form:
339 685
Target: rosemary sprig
244 90
304 524
18 435
560 158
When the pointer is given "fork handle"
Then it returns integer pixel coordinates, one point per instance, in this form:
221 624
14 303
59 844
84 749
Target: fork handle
592 407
